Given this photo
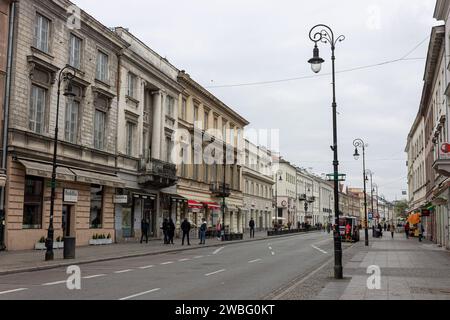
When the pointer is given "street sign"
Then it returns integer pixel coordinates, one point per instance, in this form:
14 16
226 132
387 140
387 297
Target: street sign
70 196
444 151
370 216
340 177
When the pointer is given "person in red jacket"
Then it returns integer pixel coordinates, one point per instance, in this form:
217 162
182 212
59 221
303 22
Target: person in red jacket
407 228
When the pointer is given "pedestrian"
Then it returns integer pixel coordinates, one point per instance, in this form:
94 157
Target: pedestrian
348 231
407 228
251 224
289 225
165 229
144 229
186 228
385 227
380 230
218 230
421 231
171 231
203 228
329 228
392 229
299 225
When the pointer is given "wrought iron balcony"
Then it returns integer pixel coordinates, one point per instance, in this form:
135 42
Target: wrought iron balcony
217 188
302 197
311 199
157 173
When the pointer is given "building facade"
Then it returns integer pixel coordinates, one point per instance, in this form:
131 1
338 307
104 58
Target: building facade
258 185
285 191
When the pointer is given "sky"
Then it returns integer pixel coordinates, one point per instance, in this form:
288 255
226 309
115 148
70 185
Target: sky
223 43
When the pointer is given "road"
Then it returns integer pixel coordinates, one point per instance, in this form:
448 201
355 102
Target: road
244 271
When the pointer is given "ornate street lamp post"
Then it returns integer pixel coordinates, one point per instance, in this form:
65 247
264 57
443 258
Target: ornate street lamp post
325 34
49 255
359 143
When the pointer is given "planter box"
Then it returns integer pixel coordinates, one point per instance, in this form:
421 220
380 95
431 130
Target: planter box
100 242
56 245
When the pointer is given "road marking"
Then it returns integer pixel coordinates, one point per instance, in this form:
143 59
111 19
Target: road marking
318 249
215 272
146 267
183 260
123 271
218 250
273 253
54 283
14 290
270 248
95 276
253 261
166 263
198 257
139 294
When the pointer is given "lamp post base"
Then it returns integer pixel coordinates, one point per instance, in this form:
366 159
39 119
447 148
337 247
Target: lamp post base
49 256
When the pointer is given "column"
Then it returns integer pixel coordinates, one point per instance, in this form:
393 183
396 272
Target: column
157 115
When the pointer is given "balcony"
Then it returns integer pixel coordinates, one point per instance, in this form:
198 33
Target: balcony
302 197
157 173
311 199
217 189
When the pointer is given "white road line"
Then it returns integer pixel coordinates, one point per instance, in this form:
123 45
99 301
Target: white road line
273 253
14 290
165 263
145 267
270 248
318 249
95 276
215 272
183 260
54 283
139 294
218 250
198 257
123 271
253 261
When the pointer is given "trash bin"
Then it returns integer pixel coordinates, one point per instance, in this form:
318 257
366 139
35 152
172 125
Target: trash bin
69 247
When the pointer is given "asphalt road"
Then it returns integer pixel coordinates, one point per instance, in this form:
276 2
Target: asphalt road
245 271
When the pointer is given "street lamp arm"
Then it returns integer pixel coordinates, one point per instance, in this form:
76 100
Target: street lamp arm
325 34
359 143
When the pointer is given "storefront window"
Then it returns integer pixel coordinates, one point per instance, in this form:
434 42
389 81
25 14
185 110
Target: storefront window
32 209
96 216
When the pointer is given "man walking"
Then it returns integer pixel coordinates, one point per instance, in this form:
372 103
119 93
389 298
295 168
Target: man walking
203 228
252 228
392 229
170 231
165 229
407 230
421 230
144 229
186 228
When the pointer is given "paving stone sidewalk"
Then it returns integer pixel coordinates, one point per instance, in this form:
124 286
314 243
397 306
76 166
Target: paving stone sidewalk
410 270
32 260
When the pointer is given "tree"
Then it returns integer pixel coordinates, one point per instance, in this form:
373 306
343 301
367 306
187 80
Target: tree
401 209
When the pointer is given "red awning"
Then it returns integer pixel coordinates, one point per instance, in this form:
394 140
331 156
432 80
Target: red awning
195 204
212 205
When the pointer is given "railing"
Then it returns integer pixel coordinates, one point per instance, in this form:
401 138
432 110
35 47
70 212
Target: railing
160 169
217 188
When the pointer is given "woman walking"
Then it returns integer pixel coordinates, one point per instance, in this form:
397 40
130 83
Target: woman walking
392 229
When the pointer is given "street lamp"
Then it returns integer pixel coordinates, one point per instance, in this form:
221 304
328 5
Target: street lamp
359 143
370 173
280 179
325 34
68 93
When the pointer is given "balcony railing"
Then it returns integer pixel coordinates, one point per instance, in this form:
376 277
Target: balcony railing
311 199
302 197
158 173
217 188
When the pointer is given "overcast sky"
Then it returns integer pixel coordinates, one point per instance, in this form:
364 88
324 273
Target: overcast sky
228 42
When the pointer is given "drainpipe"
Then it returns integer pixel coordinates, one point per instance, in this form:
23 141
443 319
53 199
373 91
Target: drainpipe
12 14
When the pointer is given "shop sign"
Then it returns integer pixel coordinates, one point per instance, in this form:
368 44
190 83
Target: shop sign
121 199
70 195
444 151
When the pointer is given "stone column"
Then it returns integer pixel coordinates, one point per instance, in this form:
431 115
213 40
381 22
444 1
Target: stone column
157 115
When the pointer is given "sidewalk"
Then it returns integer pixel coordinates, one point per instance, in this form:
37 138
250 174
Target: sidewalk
24 261
410 270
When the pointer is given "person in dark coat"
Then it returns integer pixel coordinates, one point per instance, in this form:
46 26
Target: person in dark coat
407 228
171 231
186 228
251 224
144 229
165 229
380 230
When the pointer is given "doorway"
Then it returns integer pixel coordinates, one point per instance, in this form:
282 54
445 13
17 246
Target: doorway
68 221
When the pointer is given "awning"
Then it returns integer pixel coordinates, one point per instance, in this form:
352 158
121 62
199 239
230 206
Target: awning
176 198
195 204
45 170
141 195
98 178
212 205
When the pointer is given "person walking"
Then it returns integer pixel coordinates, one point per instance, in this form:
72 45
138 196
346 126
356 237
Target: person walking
251 224
203 228
421 231
392 229
299 225
165 229
407 228
219 230
380 230
144 229
171 231
186 228
385 227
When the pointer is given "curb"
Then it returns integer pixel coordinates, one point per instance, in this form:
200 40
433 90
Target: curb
137 255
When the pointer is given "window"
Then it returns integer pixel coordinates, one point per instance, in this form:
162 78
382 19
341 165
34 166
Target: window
206 173
71 123
232 141
169 147
195 113
132 80
37 108
102 67
99 129
75 51
130 128
170 105
96 213
206 120
41 33
183 109
216 123
32 204
224 131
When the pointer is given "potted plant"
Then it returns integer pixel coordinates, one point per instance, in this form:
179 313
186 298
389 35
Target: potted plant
59 244
41 244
